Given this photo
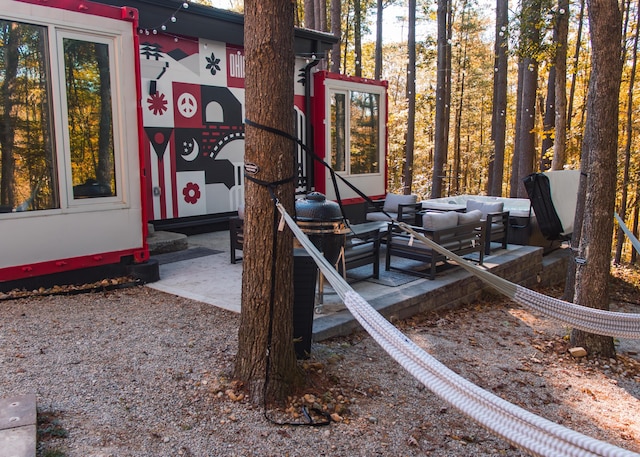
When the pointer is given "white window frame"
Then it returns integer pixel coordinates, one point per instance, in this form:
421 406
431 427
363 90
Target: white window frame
65 164
347 87
94 29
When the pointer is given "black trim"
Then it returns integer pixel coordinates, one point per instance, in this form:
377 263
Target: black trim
215 24
195 224
142 273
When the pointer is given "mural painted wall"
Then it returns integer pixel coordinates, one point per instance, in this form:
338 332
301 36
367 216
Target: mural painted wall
193 112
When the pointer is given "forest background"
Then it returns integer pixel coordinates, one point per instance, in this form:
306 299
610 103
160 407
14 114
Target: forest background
534 44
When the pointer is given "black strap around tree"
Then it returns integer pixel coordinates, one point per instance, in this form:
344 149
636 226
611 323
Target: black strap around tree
271 187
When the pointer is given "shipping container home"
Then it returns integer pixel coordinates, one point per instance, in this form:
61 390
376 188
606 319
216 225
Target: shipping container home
70 157
124 113
192 77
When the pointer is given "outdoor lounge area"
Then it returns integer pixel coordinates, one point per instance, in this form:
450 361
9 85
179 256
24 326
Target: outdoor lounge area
204 272
494 233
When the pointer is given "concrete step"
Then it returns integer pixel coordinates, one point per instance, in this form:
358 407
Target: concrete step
161 242
18 420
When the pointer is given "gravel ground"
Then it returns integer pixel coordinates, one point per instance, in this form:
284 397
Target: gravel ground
137 372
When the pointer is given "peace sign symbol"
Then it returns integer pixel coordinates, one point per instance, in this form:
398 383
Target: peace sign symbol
187 105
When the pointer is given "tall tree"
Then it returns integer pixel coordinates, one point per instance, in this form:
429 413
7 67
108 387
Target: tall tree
309 14
377 71
320 15
594 248
622 211
448 85
530 19
462 72
411 100
441 123
336 17
266 360
515 160
499 112
357 36
576 59
561 31
634 229
548 122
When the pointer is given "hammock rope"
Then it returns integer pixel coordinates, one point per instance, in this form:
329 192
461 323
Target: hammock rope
630 235
516 425
598 321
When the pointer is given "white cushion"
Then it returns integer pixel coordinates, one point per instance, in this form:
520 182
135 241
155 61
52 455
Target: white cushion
563 185
440 206
471 216
241 211
485 207
439 221
392 201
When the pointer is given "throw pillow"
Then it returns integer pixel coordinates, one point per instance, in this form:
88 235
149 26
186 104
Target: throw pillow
485 207
439 221
392 201
471 216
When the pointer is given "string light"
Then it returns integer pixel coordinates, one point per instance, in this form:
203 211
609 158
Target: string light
163 27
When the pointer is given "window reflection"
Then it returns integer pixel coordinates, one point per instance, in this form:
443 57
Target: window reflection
88 86
338 130
27 156
365 138
355 132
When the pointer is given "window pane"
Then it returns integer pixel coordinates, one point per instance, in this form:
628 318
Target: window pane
338 131
90 121
365 133
27 157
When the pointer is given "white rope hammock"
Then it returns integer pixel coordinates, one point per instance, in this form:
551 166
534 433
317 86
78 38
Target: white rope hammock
630 235
519 427
592 320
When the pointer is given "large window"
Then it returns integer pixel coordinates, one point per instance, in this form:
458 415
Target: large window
355 132
28 178
34 173
88 85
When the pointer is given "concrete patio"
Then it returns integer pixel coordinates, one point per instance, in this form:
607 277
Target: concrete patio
203 272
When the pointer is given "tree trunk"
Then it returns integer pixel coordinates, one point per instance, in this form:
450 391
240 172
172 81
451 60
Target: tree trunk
515 160
345 39
266 360
548 122
526 145
499 114
411 99
336 19
457 137
377 71
528 50
560 143
320 15
357 37
309 14
448 84
440 146
594 249
634 230
576 59
622 211
569 290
